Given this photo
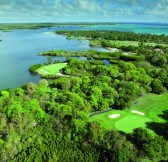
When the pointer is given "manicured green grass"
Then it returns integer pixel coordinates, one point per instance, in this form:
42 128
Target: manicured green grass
51 69
132 43
133 121
125 43
151 105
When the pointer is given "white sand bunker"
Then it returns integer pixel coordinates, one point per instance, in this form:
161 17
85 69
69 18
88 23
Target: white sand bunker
59 74
113 49
137 112
114 116
46 72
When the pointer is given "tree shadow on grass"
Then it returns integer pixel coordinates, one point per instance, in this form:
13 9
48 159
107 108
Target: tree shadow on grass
164 115
160 128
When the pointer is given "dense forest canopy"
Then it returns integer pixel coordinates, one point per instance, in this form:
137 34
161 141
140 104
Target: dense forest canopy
116 35
50 121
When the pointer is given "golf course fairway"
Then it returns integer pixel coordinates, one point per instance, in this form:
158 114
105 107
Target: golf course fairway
143 110
51 69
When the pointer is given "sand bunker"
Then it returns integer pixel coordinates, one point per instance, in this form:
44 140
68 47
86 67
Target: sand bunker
59 74
113 49
45 72
137 112
114 116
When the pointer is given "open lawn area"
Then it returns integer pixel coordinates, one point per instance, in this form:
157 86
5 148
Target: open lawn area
143 110
51 69
125 43
132 43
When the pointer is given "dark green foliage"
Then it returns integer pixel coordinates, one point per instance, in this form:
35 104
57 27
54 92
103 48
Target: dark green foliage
117 35
34 67
131 58
49 122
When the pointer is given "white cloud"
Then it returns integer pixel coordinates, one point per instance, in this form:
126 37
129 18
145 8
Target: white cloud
83 9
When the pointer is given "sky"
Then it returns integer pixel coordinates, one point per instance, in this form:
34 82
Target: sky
83 11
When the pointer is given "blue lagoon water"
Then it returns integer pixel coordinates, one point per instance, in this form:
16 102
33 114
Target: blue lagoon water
134 27
19 48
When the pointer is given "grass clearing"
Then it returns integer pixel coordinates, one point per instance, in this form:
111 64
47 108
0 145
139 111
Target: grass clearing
132 43
125 43
51 69
134 122
145 109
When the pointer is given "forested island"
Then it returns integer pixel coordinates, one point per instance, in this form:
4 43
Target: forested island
109 106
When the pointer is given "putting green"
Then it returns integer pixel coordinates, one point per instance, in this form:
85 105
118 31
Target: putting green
51 69
134 122
143 110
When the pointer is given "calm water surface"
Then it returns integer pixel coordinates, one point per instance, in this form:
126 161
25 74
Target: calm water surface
19 48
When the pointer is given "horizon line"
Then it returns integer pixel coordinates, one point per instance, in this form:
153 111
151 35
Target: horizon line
84 22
